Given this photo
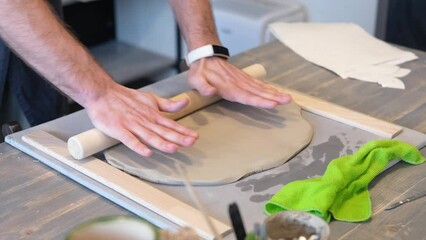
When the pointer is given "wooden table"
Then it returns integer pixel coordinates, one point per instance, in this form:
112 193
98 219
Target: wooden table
36 202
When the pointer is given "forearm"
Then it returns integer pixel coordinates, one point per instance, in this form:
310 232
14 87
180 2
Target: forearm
196 22
39 38
133 117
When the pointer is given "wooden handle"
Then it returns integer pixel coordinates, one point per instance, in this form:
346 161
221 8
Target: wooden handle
92 141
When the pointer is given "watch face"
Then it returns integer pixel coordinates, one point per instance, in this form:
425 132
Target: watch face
220 51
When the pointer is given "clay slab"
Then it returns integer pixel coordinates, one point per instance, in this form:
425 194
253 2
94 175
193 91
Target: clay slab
235 141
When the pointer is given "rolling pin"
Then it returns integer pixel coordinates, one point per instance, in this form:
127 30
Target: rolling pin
93 141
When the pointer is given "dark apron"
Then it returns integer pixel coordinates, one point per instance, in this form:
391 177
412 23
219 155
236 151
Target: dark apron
38 99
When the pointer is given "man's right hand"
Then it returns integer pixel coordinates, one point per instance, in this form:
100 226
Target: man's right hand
133 117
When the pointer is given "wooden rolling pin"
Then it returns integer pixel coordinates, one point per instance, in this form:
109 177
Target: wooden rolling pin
92 141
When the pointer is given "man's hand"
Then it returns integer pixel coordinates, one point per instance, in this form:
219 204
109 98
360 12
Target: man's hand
216 76
133 117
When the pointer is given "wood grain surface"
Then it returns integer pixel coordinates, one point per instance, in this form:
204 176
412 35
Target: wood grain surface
38 203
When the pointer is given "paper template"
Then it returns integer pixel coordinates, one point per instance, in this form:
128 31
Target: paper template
347 50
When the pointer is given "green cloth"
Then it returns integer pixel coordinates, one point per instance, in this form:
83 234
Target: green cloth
342 192
250 236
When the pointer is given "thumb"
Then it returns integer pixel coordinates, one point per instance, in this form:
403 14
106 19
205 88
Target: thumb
167 105
202 86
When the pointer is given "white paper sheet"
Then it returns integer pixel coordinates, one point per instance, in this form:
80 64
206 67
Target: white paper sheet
347 50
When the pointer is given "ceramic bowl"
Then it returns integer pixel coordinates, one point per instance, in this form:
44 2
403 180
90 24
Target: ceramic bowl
114 228
294 224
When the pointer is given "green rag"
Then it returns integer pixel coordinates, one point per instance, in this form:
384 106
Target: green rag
342 192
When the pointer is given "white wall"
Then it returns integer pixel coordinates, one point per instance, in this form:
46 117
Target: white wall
361 12
147 24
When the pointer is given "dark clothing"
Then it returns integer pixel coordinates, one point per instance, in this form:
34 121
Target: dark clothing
38 99
406 23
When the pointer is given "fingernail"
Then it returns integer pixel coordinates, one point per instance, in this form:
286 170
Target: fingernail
288 99
171 147
285 99
189 141
193 134
146 152
269 105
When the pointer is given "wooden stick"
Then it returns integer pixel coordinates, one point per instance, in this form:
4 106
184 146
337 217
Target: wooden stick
344 115
131 187
92 141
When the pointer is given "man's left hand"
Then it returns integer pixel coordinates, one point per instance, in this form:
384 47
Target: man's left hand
217 76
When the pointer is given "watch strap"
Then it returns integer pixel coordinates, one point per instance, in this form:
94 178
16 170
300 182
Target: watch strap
206 51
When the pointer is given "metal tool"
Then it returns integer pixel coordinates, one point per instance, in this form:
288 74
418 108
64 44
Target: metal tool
262 232
409 199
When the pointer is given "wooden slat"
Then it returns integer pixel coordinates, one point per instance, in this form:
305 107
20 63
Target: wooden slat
344 115
133 188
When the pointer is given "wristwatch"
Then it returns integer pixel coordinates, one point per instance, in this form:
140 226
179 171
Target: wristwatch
206 51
